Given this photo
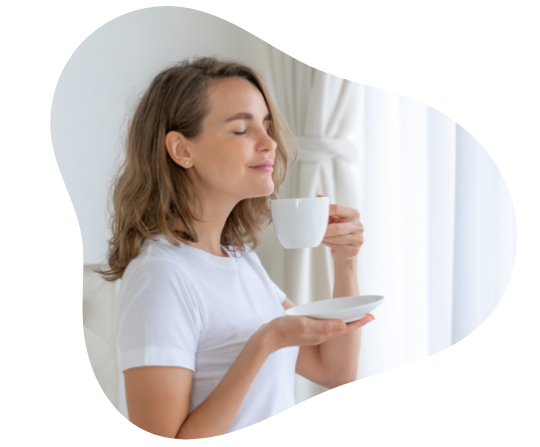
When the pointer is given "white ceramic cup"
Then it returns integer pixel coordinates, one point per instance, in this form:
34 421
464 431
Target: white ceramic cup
300 223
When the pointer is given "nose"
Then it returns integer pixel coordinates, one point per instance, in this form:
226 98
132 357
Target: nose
266 142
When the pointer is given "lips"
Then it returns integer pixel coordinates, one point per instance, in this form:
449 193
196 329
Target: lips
264 163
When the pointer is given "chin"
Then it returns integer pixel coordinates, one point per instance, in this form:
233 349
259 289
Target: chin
265 194
262 190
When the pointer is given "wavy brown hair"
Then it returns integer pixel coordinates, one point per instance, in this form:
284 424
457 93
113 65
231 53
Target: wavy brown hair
152 195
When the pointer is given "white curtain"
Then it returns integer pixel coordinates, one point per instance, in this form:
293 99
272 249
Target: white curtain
440 231
321 110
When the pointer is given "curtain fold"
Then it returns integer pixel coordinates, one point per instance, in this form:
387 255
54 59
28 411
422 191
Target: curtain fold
485 237
321 111
98 325
440 233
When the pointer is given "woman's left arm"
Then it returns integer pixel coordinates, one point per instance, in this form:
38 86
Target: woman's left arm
339 356
335 362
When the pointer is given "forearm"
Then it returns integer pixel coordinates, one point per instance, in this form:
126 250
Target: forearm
339 356
215 415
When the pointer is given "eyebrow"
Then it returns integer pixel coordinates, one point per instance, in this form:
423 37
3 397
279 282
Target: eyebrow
244 116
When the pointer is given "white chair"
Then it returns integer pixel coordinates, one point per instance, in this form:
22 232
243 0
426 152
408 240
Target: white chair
98 320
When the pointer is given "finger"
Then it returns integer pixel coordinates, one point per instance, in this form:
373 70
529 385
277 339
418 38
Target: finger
366 319
344 212
342 228
334 325
348 239
361 322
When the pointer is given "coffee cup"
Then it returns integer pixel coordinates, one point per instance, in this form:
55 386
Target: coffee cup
300 223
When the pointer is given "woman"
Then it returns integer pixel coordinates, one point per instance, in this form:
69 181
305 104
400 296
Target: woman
204 346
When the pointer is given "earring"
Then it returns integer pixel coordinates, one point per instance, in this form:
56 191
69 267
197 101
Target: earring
187 162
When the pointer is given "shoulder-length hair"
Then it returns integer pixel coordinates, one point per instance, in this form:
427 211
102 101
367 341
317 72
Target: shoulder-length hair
152 195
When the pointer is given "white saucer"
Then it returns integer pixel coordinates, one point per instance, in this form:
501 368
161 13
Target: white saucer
348 309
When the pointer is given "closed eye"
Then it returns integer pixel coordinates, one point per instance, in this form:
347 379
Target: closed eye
240 133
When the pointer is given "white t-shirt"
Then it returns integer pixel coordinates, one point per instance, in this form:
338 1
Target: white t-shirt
182 306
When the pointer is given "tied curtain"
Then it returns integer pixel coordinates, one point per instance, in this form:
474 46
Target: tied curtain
440 234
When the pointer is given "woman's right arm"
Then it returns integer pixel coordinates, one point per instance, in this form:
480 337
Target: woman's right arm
157 397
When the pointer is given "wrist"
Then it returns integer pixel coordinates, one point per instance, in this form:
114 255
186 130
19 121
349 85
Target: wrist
265 339
345 263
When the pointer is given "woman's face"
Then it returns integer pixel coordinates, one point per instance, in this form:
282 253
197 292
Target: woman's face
233 141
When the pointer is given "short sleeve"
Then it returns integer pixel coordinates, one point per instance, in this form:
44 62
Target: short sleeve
157 319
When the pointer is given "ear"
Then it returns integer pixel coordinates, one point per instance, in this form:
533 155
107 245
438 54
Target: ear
179 149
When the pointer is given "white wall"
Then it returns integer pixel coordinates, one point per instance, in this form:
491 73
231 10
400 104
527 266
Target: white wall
99 84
